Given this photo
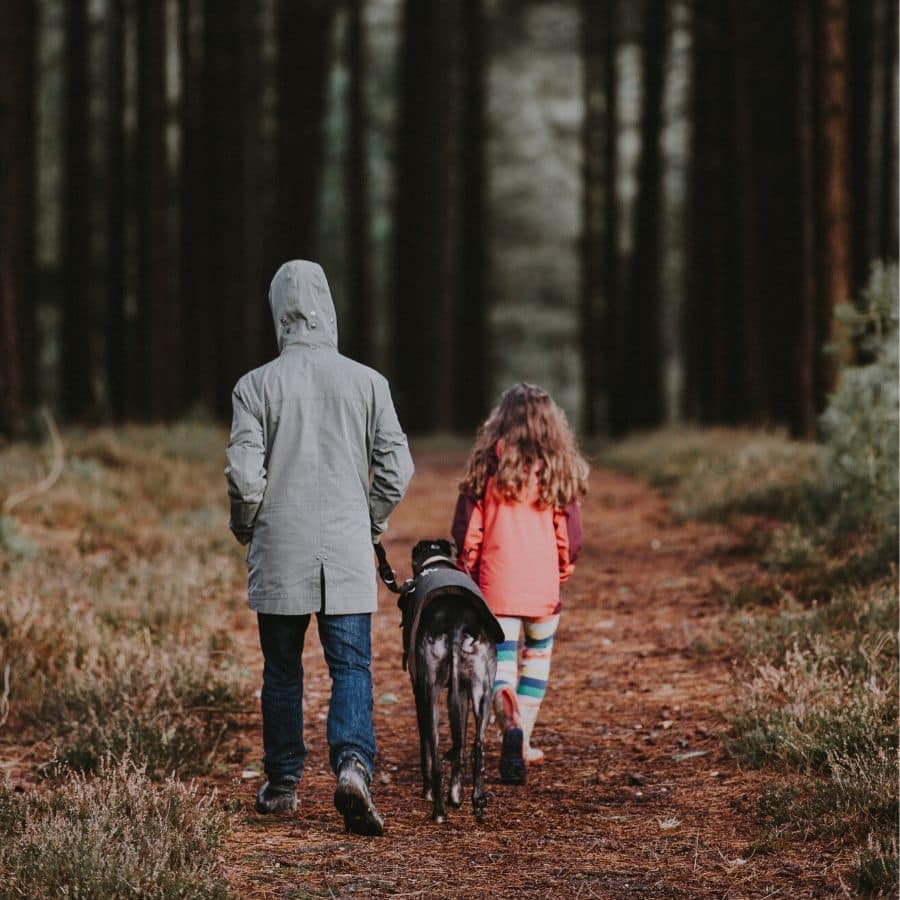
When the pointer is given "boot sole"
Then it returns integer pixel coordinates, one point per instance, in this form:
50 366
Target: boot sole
277 806
512 763
359 815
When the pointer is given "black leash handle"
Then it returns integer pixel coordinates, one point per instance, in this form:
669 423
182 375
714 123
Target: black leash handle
385 571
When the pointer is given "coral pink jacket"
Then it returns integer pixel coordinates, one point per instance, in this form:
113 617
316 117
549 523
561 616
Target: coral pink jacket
518 552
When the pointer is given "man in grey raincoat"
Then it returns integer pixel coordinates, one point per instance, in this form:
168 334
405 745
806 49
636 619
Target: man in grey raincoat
316 463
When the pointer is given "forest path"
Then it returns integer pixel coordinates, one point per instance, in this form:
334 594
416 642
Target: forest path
636 797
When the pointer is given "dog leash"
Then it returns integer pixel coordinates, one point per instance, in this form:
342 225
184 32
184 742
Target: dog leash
385 571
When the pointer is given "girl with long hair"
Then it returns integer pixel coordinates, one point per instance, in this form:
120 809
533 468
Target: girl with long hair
518 529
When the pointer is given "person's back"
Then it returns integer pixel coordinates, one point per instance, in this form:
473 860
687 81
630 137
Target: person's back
325 421
316 463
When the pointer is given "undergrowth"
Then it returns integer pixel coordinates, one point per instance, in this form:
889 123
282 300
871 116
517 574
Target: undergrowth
816 629
113 834
108 639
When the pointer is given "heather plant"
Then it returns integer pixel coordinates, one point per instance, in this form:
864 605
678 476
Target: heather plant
112 639
113 834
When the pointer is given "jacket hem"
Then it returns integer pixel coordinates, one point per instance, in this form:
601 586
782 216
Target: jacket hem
296 606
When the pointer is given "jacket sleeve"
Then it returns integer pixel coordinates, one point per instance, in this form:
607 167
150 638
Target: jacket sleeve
567 525
573 526
246 472
392 465
468 531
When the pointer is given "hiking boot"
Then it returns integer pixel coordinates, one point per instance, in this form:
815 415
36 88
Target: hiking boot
354 801
512 762
280 796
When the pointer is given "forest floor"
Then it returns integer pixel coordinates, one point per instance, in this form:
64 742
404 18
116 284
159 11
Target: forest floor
636 797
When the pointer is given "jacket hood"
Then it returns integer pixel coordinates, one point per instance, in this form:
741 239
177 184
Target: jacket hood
302 308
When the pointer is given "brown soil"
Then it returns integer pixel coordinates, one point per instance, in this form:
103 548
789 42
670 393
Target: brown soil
636 797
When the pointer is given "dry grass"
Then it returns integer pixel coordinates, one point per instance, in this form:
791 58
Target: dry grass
117 662
115 834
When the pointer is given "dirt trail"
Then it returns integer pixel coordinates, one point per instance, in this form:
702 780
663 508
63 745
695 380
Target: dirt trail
636 797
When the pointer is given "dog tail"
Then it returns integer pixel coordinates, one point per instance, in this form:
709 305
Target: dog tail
457 700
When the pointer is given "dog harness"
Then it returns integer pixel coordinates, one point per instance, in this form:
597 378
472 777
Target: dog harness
433 581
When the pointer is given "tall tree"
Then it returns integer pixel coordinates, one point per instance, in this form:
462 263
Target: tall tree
158 395
642 382
78 399
803 420
119 370
744 40
599 210
18 350
304 53
198 305
359 275
234 256
424 222
710 264
470 356
834 119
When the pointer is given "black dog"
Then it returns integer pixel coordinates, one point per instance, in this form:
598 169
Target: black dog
450 640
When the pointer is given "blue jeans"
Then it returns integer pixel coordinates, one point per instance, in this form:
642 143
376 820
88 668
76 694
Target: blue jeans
347 644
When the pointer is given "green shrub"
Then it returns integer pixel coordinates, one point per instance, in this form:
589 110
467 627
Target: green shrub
116 834
860 425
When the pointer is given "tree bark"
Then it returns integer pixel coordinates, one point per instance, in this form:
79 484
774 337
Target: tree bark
599 211
119 370
835 261
196 227
642 382
18 350
77 364
710 264
424 284
472 318
744 38
359 278
158 395
304 53
803 422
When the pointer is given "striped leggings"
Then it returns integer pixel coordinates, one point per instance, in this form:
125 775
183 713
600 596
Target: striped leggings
529 681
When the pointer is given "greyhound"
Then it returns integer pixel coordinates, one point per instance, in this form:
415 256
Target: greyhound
450 640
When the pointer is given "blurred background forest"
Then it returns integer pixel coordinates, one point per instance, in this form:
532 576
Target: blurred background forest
652 208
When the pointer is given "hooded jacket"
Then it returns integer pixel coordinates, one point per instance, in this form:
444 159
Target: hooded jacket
317 460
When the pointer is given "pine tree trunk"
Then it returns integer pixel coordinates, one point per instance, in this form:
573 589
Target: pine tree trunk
644 386
304 53
119 369
76 366
835 261
890 131
744 37
18 349
710 264
471 351
196 227
424 286
595 137
803 422
157 323
359 278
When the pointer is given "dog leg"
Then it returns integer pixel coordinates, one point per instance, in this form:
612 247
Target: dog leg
438 812
482 708
458 712
423 716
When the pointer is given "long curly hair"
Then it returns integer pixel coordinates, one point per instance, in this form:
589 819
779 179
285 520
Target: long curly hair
527 436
